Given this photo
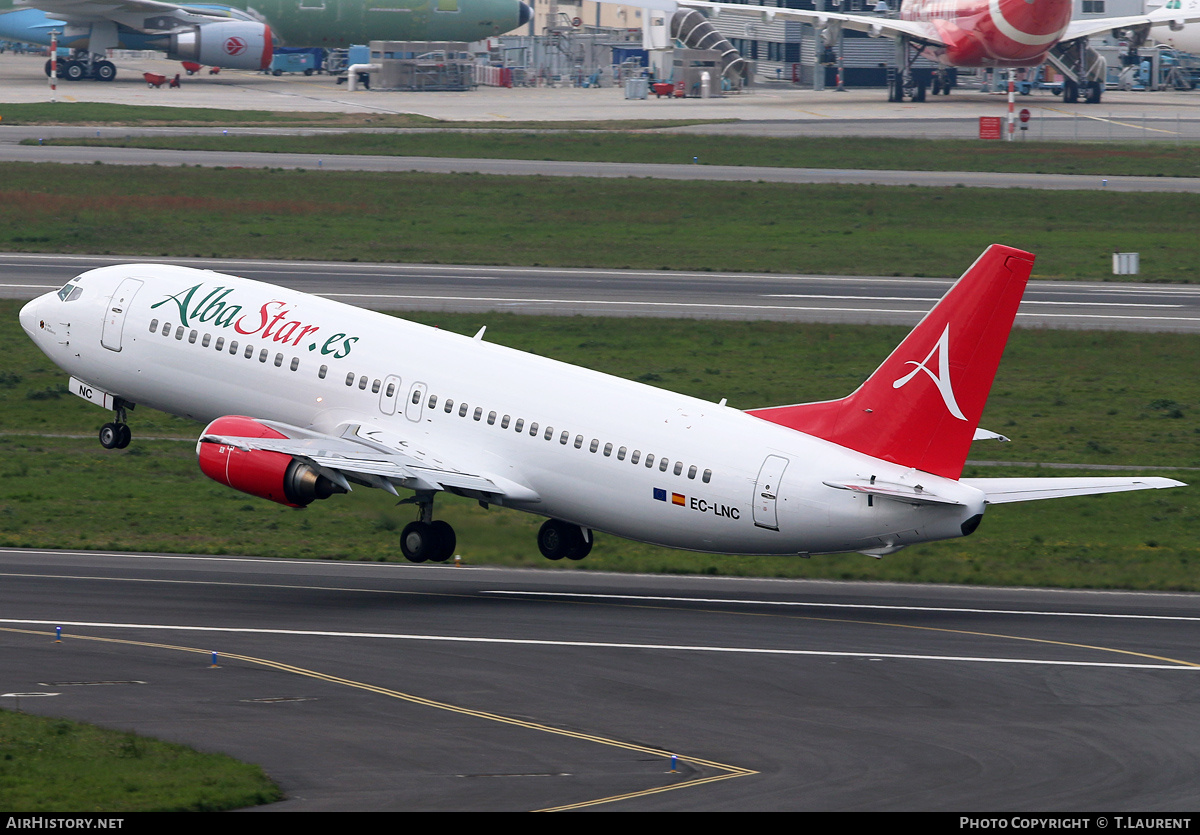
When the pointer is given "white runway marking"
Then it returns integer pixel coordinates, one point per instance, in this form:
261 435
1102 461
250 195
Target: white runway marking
159 627
802 603
925 299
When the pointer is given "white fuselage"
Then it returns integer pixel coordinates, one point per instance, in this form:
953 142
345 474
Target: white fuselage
730 483
1187 37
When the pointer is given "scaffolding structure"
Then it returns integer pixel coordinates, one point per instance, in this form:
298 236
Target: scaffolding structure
564 56
422 66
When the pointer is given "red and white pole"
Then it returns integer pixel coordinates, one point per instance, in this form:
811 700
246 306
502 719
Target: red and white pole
53 64
1012 127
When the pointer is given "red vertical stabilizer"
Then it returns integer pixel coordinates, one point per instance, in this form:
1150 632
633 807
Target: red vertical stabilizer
921 407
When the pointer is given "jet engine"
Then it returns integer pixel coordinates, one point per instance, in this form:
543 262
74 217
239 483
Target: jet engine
232 44
268 475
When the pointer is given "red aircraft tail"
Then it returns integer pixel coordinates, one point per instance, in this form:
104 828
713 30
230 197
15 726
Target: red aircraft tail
921 407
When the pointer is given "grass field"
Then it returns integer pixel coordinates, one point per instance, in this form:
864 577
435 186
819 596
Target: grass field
581 222
56 766
1105 159
1063 396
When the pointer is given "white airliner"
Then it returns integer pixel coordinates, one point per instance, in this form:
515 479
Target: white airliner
1187 36
306 396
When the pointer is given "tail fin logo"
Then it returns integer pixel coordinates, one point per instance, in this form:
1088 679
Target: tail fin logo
942 378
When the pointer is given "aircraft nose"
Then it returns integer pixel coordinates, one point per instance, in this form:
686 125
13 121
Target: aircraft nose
30 318
525 14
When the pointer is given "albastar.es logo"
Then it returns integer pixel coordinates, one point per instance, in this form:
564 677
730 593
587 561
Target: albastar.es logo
271 320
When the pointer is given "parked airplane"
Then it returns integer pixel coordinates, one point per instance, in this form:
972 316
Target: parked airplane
305 397
240 36
1185 38
966 33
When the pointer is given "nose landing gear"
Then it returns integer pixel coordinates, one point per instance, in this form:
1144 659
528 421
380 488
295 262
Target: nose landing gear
116 435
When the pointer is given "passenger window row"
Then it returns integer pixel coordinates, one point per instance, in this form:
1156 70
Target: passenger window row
564 438
219 345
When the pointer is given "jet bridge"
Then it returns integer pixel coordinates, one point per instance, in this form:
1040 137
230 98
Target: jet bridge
694 31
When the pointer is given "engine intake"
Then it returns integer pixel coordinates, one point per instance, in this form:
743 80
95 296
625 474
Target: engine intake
268 475
231 44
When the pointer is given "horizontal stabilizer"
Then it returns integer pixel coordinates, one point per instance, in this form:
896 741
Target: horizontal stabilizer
915 494
982 434
1005 490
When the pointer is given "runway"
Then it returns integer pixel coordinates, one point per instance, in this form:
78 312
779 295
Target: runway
81 155
670 294
399 687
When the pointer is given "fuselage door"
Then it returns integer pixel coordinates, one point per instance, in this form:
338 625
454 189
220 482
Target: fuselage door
416 400
389 394
766 489
114 314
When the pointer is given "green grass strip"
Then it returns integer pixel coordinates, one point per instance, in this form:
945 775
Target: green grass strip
1106 159
585 222
56 765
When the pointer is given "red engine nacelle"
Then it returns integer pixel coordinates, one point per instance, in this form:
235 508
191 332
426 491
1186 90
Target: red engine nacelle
269 475
233 44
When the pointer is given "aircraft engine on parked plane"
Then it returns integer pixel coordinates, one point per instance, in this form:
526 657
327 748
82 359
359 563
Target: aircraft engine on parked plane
268 475
232 44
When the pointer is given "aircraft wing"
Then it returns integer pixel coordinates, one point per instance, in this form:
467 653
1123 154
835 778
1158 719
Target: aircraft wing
873 25
377 458
112 9
1005 490
1175 18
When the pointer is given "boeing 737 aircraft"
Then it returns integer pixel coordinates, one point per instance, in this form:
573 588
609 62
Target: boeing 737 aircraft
239 36
306 397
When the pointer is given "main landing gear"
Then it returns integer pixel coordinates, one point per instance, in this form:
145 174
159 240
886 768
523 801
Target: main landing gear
116 435
905 82
1092 91
557 539
82 65
430 540
427 540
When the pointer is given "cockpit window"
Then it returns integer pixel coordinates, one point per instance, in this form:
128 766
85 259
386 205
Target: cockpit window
70 292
